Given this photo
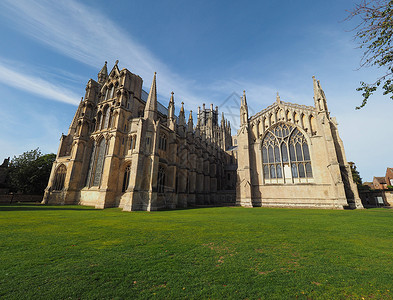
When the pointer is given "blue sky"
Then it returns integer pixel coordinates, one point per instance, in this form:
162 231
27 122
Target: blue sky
205 51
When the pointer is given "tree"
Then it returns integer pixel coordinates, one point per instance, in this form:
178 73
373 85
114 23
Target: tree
355 174
374 34
29 172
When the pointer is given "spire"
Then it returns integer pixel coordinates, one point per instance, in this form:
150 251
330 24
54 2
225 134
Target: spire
182 119
319 96
222 120
190 125
244 100
243 111
151 103
103 74
171 112
278 98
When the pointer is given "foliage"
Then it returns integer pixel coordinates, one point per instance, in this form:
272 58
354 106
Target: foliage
74 252
29 172
374 34
355 174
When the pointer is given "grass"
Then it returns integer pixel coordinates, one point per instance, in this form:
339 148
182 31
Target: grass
59 252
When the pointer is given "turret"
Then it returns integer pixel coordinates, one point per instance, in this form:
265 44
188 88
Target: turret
151 103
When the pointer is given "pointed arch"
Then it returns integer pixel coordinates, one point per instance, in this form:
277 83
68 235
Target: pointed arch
285 147
58 181
99 159
126 178
313 125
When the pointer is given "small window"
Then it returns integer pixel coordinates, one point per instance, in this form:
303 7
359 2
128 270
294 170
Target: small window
126 179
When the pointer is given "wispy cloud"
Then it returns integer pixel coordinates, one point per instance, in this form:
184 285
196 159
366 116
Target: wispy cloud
36 85
87 35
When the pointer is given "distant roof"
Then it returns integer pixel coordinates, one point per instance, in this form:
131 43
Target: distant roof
370 184
232 148
380 179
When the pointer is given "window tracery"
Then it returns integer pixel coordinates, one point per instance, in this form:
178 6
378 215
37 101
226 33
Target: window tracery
100 158
285 146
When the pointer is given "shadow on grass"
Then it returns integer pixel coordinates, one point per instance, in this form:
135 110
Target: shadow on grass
38 206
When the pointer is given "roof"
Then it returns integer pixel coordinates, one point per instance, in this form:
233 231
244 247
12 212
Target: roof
369 184
232 148
380 180
161 108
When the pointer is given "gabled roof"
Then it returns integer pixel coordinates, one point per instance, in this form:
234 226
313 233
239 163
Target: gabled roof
380 180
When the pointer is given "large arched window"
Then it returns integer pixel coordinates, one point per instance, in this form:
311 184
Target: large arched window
126 179
285 153
58 182
99 162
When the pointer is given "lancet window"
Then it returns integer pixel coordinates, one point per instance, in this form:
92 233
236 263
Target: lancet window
133 142
162 142
285 153
126 179
161 179
58 183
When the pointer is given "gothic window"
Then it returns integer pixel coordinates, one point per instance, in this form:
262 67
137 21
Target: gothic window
285 145
110 119
301 165
107 117
99 162
104 117
161 179
126 179
162 142
98 120
58 183
133 142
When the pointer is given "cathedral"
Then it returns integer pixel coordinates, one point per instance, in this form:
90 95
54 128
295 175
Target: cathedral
125 149
291 155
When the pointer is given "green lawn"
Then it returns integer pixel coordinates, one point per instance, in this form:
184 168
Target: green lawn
59 252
